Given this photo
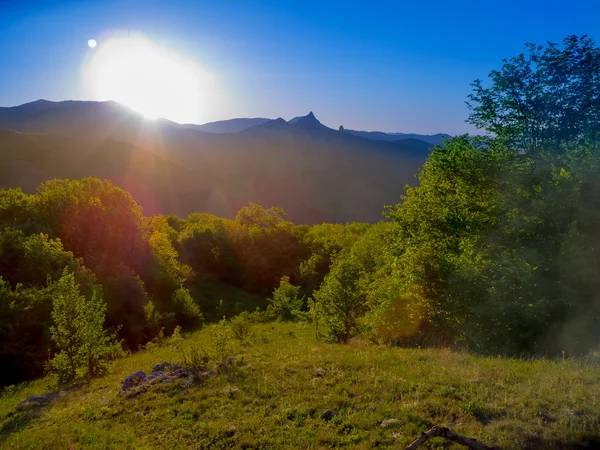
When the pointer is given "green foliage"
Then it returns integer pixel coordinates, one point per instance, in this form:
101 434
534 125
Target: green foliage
241 326
286 301
126 302
186 312
340 301
24 317
27 263
77 331
544 99
220 334
345 296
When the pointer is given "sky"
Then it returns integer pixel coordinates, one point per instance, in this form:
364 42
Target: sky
400 66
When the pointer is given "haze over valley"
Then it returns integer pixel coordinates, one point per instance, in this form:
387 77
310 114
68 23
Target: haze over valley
316 173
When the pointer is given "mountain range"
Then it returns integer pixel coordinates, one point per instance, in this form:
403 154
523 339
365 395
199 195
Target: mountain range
237 125
316 173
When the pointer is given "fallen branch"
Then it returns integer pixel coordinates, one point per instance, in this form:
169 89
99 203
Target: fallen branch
446 433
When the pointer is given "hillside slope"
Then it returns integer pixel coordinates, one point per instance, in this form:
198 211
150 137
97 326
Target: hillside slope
281 382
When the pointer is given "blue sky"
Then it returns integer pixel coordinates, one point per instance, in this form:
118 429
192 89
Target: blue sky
393 66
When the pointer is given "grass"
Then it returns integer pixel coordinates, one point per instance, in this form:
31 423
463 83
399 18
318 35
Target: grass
272 399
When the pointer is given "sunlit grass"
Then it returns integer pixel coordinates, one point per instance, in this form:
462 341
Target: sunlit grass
279 401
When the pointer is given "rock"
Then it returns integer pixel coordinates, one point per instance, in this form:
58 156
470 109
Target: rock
133 380
161 367
153 376
37 400
389 422
319 372
138 382
328 414
341 128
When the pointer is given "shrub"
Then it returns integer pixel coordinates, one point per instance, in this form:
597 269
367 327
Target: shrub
220 334
186 313
241 326
286 301
78 331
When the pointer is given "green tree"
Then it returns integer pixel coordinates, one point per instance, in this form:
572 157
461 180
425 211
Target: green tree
340 301
286 301
547 98
77 331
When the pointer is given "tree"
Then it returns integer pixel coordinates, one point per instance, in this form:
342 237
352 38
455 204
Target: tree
545 99
24 343
77 331
286 301
340 301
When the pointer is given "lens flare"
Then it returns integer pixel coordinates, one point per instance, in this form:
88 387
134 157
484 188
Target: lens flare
148 78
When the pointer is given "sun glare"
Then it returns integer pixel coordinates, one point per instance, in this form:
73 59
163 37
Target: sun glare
147 78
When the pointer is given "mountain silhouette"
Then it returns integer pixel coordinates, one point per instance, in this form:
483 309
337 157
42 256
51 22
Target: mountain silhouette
228 126
433 139
315 173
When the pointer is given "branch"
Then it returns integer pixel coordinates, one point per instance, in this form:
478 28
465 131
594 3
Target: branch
446 433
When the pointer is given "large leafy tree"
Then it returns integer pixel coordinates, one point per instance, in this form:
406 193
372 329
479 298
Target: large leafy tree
545 98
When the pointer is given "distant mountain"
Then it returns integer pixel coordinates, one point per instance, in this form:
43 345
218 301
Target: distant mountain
433 139
228 126
317 174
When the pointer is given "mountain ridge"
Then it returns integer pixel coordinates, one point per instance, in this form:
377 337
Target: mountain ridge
315 173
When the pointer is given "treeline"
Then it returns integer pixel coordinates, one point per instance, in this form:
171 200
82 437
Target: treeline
148 272
496 250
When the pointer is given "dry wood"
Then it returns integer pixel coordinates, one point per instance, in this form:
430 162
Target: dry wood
447 434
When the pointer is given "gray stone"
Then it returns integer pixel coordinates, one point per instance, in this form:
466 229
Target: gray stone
133 380
37 400
319 372
161 367
328 414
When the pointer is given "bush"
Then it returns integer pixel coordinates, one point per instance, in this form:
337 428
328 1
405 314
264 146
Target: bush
185 311
83 345
286 302
241 326
339 302
220 334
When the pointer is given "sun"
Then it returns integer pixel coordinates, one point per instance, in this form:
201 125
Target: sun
147 78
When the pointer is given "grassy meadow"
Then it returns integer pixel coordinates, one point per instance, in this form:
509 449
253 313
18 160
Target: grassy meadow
274 394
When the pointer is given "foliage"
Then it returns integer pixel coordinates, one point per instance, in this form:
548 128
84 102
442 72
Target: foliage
241 326
286 301
77 331
24 343
27 263
220 334
185 311
545 99
340 301
345 295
